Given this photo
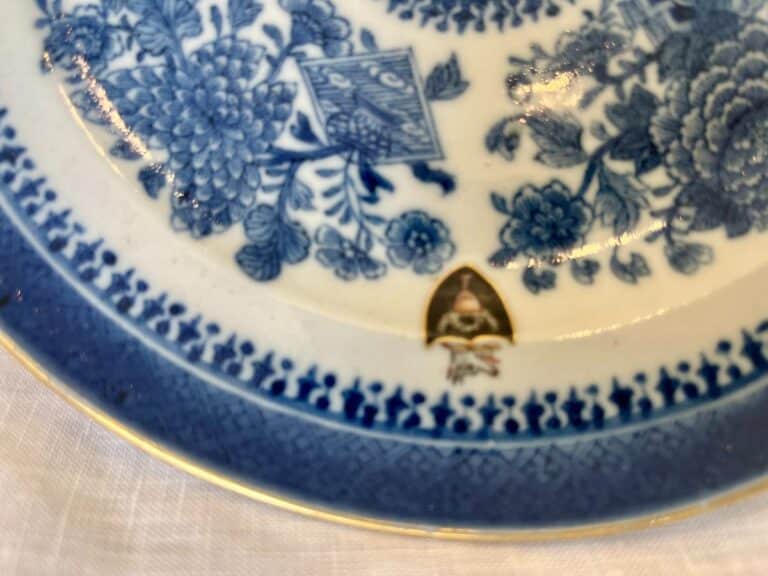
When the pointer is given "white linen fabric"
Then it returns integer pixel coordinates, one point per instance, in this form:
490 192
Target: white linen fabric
76 500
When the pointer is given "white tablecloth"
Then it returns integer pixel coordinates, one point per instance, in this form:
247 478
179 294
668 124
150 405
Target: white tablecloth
76 500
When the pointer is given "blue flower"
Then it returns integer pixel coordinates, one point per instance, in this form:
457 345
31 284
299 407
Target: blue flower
82 40
419 241
344 258
316 22
215 122
588 49
713 133
546 222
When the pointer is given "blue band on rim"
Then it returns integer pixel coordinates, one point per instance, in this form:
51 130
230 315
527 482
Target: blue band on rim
519 486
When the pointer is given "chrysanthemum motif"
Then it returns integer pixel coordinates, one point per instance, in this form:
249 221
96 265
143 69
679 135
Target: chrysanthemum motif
713 130
203 95
215 122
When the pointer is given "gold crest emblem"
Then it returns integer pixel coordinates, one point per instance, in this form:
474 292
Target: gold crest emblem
468 317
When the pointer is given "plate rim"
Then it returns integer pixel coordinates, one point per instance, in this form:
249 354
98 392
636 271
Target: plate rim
637 513
158 450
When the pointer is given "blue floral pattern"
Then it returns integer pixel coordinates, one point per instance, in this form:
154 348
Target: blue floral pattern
475 15
315 22
544 222
418 241
227 139
712 131
729 366
82 36
345 258
705 139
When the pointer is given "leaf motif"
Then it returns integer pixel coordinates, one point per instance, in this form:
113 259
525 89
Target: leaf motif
504 138
373 180
275 34
336 208
274 241
86 103
501 258
537 281
217 19
673 56
500 203
636 113
368 40
688 258
260 261
445 82
632 270
538 52
620 201
163 23
663 191
242 13
275 172
635 145
153 179
293 242
365 240
589 96
261 224
302 130
328 172
301 196
584 270
425 173
599 131
375 219
558 137
124 150
333 191
346 215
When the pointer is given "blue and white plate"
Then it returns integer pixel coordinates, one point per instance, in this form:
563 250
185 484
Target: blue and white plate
487 266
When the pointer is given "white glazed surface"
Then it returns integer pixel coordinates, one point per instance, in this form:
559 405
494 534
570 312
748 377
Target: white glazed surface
395 303
376 328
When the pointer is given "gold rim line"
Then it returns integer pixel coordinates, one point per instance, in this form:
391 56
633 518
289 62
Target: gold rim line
462 534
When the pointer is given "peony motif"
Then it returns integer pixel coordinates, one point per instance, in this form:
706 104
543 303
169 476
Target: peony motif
713 133
693 155
316 22
80 39
544 223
